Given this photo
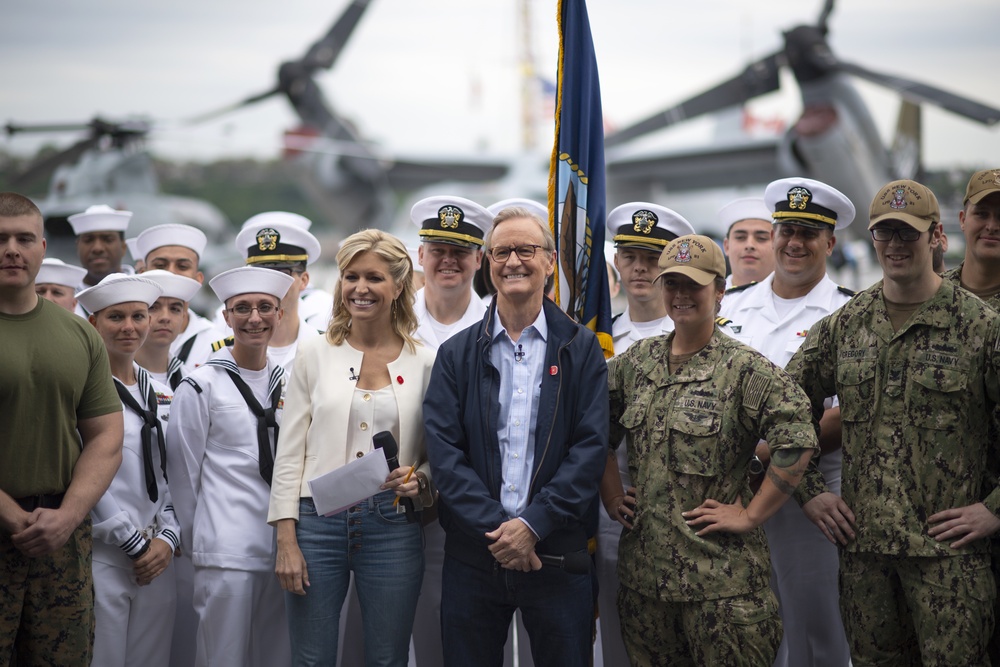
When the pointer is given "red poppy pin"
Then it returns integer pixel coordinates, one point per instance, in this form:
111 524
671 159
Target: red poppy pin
399 379
553 370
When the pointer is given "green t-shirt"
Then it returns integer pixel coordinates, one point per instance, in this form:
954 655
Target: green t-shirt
54 371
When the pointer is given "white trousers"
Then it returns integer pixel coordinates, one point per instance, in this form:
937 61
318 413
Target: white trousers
241 619
804 572
133 624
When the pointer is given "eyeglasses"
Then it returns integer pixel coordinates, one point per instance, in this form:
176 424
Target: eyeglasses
524 252
244 309
906 234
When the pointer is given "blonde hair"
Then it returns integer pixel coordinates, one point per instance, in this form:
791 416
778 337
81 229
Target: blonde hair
392 251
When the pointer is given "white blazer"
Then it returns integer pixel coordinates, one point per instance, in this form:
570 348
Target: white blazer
313 438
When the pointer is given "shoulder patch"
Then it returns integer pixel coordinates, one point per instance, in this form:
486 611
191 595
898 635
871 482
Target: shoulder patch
722 321
844 290
225 342
740 288
189 380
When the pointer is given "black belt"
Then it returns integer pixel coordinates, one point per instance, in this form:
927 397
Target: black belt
49 501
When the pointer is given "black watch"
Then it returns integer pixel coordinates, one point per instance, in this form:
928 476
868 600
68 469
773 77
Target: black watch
756 465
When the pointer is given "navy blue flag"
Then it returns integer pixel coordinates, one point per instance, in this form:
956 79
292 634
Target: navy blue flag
576 179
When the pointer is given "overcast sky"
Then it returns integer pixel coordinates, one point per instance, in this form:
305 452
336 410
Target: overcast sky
408 76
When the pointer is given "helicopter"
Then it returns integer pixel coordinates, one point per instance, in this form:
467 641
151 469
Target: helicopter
834 140
110 165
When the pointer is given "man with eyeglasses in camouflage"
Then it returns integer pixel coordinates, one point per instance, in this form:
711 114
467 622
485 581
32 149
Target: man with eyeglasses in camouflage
914 362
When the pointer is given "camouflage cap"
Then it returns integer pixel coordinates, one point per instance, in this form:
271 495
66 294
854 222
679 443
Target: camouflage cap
695 256
906 201
982 183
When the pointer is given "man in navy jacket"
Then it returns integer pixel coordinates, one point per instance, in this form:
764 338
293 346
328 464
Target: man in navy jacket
516 419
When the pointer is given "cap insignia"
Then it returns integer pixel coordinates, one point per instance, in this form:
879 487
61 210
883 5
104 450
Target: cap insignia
450 216
267 239
683 253
898 199
996 176
798 198
643 221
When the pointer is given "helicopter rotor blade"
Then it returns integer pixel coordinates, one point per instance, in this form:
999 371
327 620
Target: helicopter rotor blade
757 79
229 108
923 93
324 53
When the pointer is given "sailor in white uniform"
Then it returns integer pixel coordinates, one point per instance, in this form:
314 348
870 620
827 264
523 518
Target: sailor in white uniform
135 529
100 244
268 241
450 252
748 240
225 420
57 282
178 249
166 318
773 317
640 231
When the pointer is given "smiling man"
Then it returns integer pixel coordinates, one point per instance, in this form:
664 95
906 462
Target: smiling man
980 220
516 421
914 361
748 240
772 317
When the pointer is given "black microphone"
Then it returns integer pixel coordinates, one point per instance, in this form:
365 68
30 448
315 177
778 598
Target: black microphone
575 562
354 378
519 354
383 440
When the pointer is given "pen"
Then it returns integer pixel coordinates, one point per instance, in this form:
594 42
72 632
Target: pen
412 468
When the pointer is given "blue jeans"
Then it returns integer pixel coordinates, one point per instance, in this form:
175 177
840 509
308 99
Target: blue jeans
387 558
477 606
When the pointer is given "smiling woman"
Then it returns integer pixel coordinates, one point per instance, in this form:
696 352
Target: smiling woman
694 404
366 377
135 528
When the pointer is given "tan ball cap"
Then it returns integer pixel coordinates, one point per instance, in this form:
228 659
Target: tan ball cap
906 201
695 256
982 183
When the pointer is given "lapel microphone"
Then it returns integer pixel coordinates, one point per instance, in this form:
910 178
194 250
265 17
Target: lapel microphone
353 377
519 353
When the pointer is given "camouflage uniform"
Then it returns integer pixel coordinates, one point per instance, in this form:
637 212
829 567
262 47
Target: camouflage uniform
913 406
992 478
691 436
26 601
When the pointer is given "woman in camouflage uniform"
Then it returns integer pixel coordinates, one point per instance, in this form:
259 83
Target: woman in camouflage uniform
694 404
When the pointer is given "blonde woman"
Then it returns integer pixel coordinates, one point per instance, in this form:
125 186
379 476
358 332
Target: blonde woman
367 374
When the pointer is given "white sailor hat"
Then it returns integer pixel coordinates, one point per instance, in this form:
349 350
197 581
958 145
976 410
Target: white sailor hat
451 220
808 203
747 208
57 272
250 280
275 243
538 209
170 234
100 218
267 218
640 224
119 288
133 249
173 285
